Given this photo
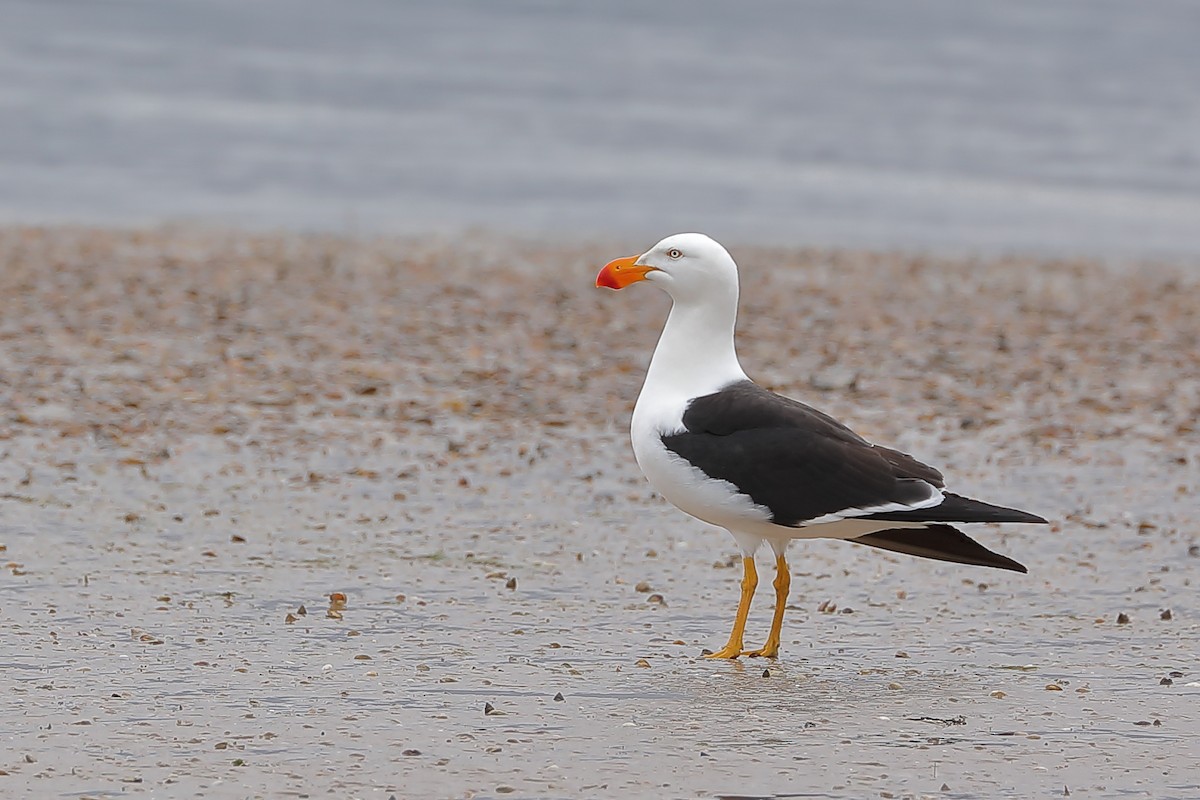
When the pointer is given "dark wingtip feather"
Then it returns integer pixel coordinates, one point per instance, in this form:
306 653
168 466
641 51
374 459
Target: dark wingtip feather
986 512
956 508
940 542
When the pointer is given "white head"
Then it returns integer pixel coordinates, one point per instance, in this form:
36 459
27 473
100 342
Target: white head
690 267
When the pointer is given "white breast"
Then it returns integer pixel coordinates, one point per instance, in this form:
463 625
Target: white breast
714 501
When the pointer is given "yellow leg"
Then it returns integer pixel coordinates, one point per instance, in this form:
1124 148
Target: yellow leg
783 583
733 648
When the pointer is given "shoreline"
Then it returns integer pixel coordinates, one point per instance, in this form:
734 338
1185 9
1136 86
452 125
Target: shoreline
203 438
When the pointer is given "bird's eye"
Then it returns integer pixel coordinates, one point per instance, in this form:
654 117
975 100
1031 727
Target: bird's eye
674 253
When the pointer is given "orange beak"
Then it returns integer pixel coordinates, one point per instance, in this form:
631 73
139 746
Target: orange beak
620 273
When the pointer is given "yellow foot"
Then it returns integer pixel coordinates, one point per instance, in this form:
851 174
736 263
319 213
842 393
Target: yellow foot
766 651
728 651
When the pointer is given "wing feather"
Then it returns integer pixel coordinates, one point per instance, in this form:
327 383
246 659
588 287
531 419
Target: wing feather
796 461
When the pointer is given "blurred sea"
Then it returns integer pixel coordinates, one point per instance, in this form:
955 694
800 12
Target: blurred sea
1028 125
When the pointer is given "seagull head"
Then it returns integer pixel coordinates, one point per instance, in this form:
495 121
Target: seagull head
687 266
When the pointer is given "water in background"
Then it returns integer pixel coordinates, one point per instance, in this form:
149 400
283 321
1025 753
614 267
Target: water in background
1070 125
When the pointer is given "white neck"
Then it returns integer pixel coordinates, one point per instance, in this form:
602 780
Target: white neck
695 354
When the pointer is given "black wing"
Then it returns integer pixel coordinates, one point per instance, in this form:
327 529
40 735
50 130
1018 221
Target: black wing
803 464
956 508
798 462
941 542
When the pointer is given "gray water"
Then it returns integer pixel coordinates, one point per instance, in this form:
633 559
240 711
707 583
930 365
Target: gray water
1064 126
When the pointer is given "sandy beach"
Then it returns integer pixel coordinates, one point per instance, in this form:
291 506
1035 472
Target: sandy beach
205 434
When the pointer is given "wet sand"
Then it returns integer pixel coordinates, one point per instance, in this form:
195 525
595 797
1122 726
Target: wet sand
204 435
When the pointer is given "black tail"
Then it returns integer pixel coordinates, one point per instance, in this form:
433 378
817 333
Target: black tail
943 543
956 508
